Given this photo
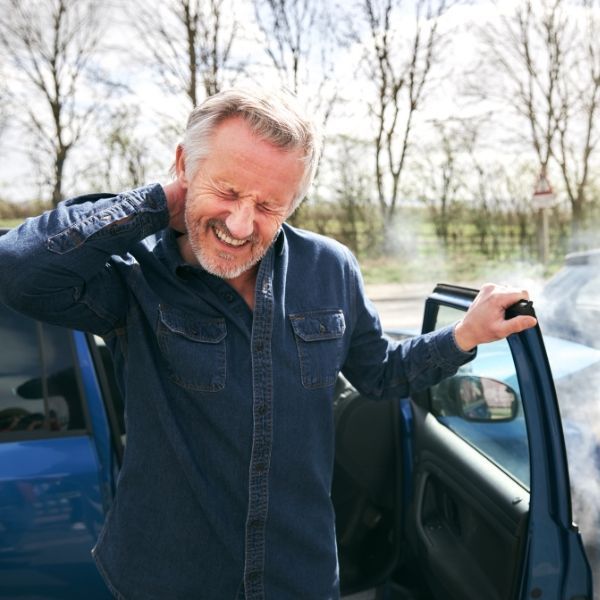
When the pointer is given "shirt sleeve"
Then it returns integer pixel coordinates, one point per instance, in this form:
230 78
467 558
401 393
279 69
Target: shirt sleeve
58 267
381 368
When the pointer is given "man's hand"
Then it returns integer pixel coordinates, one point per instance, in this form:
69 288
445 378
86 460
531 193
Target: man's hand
176 194
485 320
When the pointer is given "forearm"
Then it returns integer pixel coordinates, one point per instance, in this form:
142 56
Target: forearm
49 263
382 368
398 370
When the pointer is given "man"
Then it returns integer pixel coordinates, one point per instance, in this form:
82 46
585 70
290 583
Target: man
228 330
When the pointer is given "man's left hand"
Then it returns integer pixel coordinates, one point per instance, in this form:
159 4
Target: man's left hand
485 320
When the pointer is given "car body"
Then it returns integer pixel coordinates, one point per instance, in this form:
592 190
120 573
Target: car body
420 512
569 304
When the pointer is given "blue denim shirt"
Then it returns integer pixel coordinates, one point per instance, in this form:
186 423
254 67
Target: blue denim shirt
224 490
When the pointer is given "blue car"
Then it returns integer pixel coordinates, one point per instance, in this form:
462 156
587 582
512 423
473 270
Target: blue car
421 512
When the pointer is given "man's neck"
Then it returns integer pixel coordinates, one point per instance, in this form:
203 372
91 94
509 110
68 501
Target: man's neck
245 285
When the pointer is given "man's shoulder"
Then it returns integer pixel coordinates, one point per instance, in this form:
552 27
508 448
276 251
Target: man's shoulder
310 242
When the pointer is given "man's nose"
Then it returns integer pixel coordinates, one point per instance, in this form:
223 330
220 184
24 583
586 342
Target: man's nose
240 221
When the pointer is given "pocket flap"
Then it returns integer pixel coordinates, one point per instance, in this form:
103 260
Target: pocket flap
210 331
319 325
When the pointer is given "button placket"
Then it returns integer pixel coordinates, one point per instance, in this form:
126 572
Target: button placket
262 380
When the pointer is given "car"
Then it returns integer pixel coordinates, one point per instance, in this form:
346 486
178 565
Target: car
569 304
420 512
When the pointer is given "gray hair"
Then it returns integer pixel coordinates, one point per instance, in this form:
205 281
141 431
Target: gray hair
273 116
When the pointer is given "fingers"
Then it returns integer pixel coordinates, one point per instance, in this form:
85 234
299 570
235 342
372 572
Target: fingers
517 324
504 295
485 321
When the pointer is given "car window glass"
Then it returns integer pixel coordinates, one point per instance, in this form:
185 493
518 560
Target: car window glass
589 294
482 404
39 391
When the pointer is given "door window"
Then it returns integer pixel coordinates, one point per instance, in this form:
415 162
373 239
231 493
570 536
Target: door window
39 391
482 404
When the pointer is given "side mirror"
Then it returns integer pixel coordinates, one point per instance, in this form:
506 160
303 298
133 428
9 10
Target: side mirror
473 398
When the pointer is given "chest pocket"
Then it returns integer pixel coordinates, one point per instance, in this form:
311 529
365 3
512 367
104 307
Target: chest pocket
319 338
194 349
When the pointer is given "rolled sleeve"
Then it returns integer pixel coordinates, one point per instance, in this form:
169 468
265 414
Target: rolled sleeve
58 267
99 218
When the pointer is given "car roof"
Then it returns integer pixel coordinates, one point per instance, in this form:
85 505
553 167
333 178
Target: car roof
583 258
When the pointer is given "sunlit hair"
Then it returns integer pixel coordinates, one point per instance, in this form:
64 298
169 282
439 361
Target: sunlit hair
275 117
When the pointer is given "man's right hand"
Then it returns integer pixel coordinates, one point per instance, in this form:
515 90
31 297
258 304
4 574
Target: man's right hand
176 195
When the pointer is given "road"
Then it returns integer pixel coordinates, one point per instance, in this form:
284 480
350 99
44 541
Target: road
400 304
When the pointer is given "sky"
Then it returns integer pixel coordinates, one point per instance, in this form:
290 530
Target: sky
16 169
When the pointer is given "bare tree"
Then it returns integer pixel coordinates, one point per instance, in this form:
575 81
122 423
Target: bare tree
579 122
300 38
124 158
399 60
4 111
50 45
360 225
191 43
437 175
547 53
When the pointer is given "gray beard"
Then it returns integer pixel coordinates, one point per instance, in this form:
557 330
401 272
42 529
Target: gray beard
224 272
218 269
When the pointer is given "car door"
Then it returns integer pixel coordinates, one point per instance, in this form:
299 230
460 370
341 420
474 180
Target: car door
54 468
461 492
490 512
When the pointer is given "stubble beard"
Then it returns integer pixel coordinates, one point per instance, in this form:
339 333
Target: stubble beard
216 265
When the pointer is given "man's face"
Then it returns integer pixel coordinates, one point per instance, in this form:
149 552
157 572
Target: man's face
238 199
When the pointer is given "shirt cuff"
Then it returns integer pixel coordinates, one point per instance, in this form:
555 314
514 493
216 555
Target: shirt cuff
448 351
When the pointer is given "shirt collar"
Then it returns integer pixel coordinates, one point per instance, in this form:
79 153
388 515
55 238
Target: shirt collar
170 249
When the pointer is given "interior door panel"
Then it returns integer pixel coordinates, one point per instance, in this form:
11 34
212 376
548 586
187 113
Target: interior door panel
468 518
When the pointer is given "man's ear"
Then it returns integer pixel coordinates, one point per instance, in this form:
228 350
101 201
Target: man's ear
180 166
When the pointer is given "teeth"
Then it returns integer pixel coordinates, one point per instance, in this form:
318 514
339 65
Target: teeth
228 240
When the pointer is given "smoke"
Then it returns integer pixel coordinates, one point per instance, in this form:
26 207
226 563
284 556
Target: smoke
575 366
579 401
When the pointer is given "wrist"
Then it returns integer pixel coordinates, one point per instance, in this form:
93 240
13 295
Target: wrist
463 338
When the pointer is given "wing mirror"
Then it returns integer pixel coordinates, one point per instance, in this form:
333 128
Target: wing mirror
475 398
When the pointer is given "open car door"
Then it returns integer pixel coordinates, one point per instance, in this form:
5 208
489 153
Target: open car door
461 493
491 511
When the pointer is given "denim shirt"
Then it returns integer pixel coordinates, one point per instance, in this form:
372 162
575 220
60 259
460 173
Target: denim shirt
224 490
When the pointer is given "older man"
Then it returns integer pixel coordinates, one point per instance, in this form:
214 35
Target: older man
228 329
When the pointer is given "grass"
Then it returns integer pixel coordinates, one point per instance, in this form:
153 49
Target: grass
10 222
462 268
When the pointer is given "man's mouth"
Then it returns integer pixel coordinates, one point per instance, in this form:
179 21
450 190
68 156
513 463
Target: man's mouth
224 237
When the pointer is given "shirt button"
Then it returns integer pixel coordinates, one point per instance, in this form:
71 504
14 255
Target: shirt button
229 297
262 409
260 467
259 346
